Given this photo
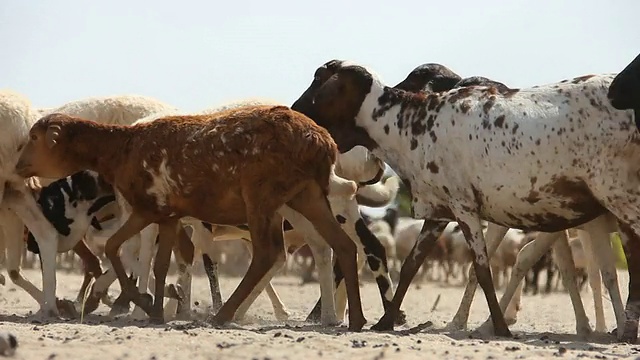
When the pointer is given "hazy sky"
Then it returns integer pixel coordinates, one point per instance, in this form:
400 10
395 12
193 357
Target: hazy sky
196 54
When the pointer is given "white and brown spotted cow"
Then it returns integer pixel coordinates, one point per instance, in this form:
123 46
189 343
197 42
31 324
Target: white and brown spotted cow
546 159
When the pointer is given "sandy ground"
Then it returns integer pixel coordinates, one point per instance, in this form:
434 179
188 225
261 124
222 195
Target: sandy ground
545 329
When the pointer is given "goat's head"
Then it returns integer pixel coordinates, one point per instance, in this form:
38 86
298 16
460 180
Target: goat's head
335 103
429 78
624 91
323 73
44 153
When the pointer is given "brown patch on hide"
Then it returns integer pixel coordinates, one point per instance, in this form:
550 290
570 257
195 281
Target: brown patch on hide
433 167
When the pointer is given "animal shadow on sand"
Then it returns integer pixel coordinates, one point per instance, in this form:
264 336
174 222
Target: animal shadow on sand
90 319
560 342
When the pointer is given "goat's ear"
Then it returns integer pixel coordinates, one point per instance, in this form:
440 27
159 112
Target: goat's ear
52 135
331 89
322 73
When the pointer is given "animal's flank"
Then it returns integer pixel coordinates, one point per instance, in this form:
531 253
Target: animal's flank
313 145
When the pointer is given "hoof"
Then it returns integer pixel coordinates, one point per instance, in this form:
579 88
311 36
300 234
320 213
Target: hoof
138 313
584 330
175 292
281 315
503 332
331 322
486 328
107 300
222 317
601 329
67 309
356 326
120 306
217 320
145 302
630 332
156 318
183 315
47 314
117 310
629 339
314 316
384 324
401 319
456 326
511 320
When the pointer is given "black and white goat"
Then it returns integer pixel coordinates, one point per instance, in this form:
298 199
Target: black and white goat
71 205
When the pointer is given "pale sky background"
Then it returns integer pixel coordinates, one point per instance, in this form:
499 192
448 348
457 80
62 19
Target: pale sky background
196 54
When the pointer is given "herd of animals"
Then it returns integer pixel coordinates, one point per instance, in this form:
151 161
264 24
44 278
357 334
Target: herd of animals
481 161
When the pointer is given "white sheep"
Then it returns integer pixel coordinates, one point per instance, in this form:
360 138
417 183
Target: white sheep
504 258
405 236
16 118
115 109
459 253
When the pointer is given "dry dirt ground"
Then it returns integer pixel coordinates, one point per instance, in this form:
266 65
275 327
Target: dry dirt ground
545 329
